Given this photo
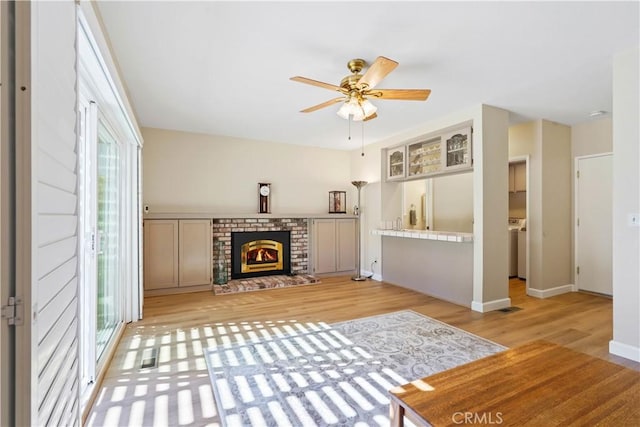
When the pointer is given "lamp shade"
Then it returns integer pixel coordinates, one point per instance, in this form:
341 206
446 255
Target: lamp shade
358 109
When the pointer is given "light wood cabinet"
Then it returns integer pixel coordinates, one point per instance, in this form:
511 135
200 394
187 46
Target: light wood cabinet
517 177
512 177
334 245
520 177
177 254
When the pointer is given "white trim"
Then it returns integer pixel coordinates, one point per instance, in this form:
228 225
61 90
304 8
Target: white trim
26 384
139 241
624 350
91 25
7 216
548 293
589 156
484 307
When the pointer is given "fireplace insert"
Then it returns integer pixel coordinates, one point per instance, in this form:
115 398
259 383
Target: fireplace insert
260 253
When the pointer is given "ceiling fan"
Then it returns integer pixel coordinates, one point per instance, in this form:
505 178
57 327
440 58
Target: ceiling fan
356 89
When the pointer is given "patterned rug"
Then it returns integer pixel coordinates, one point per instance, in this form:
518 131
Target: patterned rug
265 282
319 374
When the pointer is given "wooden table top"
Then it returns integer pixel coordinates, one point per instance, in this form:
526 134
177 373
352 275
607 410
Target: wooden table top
536 384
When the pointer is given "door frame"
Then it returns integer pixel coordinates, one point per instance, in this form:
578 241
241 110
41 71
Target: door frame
576 200
527 162
7 212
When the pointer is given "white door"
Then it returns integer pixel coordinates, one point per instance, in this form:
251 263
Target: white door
594 224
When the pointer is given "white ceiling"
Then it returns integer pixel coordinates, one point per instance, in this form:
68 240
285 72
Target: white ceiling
223 68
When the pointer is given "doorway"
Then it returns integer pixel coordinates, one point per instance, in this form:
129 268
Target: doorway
593 223
519 221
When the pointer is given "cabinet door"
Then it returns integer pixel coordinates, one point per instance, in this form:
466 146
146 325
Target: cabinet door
520 178
324 245
456 149
195 252
395 163
345 244
512 177
160 254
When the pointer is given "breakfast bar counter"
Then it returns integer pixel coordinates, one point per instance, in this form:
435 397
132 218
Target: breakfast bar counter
435 263
443 236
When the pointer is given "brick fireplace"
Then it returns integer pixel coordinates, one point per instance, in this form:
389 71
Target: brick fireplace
297 227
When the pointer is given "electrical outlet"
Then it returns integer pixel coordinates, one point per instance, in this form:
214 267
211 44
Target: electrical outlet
633 220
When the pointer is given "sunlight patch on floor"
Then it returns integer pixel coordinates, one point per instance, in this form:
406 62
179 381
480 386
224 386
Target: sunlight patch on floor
178 390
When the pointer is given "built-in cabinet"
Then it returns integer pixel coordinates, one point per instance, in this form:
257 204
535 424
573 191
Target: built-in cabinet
517 177
334 245
177 254
425 157
433 155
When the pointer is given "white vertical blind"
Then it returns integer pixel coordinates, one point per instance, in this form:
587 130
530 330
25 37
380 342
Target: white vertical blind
54 240
48 226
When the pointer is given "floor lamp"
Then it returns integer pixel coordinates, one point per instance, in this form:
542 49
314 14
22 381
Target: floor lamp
358 277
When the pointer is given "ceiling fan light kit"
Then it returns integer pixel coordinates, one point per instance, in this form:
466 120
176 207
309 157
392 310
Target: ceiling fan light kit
357 109
356 88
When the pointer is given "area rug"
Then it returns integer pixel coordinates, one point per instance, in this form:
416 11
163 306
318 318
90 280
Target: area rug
320 374
265 282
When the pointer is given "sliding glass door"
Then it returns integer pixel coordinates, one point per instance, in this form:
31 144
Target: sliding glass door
109 313
109 213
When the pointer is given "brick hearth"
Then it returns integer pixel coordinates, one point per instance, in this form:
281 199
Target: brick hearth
223 227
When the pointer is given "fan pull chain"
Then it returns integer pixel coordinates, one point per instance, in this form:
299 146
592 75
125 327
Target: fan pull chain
362 150
349 126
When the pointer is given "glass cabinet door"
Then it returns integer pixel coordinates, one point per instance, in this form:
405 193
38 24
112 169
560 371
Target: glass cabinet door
457 149
424 157
395 163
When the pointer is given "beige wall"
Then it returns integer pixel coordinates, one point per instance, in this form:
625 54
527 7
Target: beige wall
522 139
557 223
592 137
549 193
440 269
626 201
195 172
453 203
490 210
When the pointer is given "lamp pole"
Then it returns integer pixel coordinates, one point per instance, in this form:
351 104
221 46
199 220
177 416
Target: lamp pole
358 277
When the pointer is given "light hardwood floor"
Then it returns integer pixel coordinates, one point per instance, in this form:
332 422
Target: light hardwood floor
178 391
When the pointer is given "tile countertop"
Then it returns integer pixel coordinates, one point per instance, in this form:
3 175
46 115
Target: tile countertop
444 236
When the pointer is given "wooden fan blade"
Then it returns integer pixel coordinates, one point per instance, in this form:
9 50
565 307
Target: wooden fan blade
324 104
316 83
376 72
371 117
401 94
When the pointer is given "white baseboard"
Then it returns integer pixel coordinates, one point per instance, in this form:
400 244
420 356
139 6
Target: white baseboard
376 277
547 293
624 350
484 307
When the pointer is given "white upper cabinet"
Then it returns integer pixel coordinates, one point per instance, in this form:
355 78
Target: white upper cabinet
430 155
